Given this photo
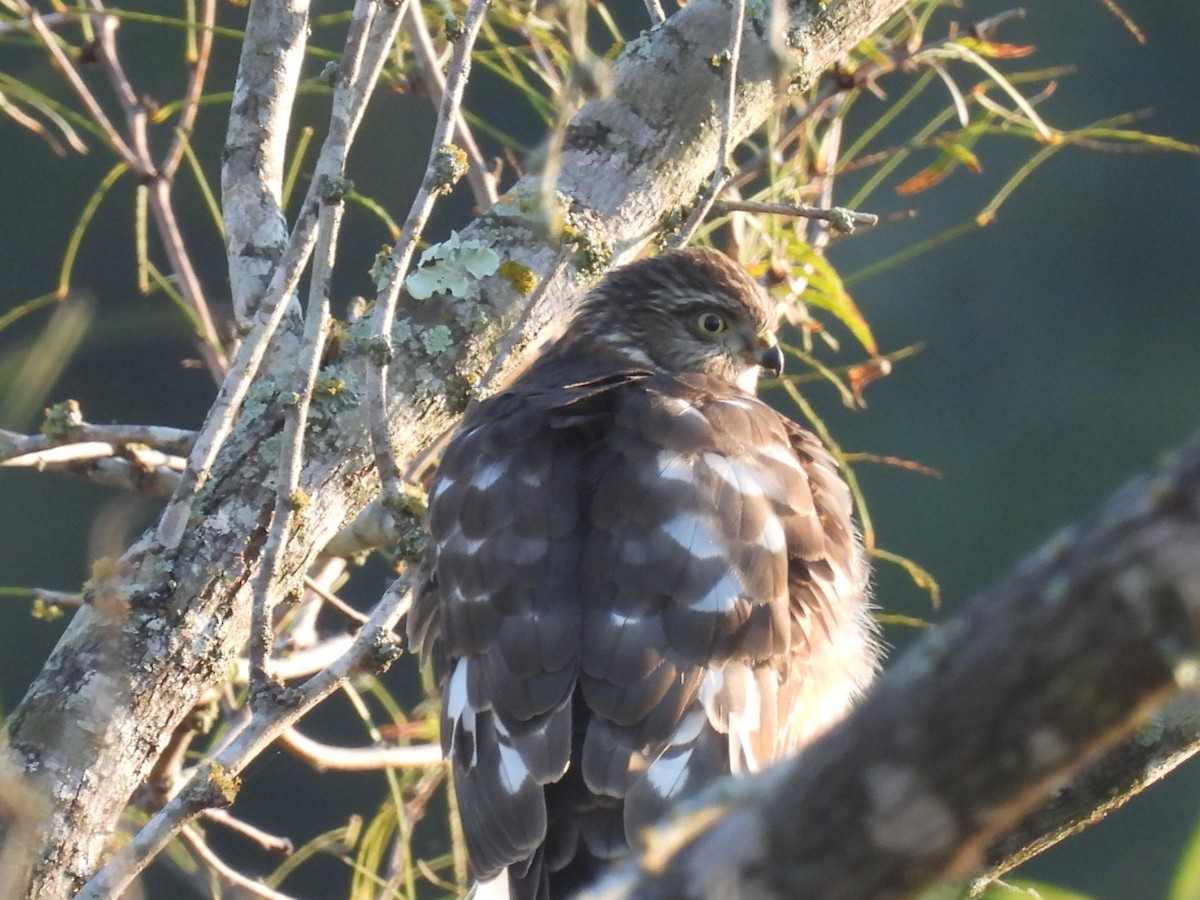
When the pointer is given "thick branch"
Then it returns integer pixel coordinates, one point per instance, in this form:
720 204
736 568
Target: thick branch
976 725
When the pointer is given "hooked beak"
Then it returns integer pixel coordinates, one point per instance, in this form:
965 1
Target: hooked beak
769 356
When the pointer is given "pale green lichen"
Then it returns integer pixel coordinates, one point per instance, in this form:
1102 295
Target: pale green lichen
334 391
332 189
402 331
448 166
451 267
437 340
62 418
592 253
381 270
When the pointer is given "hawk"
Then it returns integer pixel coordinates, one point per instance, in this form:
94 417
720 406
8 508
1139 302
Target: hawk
640 577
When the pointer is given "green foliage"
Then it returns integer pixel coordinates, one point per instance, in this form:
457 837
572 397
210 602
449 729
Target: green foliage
1186 883
1029 890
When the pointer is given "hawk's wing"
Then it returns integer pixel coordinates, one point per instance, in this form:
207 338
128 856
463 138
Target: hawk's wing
725 620
502 599
671 546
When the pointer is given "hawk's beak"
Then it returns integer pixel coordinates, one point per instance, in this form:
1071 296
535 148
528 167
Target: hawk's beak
769 356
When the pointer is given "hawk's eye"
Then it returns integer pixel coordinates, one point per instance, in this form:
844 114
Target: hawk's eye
711 324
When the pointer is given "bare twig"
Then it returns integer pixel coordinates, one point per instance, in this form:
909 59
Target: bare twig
65 455
159 193
47 596
334 600
299 663
270 842
360 759
482 181
844 220
159 482
195 90
136 116
209 857
384 316
169 440
69 70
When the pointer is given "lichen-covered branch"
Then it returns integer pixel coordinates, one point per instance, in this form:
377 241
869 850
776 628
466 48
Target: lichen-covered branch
256 232
976 726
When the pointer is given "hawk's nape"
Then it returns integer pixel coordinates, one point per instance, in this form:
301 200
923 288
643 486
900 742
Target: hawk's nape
640 577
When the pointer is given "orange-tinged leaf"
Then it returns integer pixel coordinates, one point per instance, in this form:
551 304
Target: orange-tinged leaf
858 377
994 50
953 155
927 177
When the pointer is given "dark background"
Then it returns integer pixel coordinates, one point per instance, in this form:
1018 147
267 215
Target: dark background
1060 353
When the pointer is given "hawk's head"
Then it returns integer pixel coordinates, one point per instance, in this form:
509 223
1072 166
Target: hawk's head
690 310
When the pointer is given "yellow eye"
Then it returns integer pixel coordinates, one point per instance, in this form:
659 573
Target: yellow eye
711 324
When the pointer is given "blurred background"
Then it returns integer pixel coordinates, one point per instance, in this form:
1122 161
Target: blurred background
1060 349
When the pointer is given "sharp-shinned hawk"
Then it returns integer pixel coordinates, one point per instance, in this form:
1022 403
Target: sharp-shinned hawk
640 577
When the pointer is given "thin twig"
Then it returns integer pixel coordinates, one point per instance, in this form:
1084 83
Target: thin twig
360 759
136 116
721 174
299 663
209 857
49 597
195 90
141 471
842 219
163 212
87 451
69 70
333 600
383 318
170 440
159 193
270 842
483 183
